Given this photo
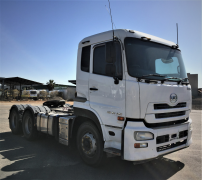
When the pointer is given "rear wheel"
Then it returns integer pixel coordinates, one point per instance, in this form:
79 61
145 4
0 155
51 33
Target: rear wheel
90 144
29 130
15 124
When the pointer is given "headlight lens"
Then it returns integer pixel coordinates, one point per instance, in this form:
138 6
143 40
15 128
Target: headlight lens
141 136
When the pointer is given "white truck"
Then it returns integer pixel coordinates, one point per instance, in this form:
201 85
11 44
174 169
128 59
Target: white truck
133 100
31 94
34 94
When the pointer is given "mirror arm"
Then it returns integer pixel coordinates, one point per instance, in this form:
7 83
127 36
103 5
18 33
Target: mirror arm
116 80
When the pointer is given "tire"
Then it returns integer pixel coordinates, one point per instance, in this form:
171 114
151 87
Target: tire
15 124
29 130
90 144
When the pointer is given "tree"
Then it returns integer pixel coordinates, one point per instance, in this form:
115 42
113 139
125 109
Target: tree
51 84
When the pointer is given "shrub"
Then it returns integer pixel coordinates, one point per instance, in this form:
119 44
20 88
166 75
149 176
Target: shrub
53 94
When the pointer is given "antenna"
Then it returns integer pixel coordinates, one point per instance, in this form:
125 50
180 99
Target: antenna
114 26
111 19
177 33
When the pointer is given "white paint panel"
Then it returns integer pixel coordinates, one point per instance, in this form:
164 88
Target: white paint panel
108 97
160 93
132 98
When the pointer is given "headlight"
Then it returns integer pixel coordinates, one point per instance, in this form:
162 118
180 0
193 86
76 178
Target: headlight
141 136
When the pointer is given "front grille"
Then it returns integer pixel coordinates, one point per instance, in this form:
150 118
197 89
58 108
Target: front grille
171 114
153 125
165 138
183 133
169 146
162 139
166 106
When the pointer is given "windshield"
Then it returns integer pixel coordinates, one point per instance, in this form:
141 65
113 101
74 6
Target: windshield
145 57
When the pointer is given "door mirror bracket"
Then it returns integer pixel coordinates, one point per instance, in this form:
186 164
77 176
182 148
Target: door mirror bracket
116 80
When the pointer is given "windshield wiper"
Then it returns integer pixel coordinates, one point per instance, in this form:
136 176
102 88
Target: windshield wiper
169 78
183 81
143 76
174 79
158 75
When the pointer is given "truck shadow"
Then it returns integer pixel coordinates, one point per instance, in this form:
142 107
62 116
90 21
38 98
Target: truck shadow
47 159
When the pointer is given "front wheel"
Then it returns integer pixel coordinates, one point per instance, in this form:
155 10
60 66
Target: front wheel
90 144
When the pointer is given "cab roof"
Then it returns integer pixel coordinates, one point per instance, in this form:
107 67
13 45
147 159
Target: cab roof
122 34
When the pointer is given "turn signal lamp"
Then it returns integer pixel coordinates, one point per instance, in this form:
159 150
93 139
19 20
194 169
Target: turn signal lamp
140 145
120 118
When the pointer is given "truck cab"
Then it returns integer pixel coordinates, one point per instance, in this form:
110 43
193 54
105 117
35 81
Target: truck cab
136 85
132 99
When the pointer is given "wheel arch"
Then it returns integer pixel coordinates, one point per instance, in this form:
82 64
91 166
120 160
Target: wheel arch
84 115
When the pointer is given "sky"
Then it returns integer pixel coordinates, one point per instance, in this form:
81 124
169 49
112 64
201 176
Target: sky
39 39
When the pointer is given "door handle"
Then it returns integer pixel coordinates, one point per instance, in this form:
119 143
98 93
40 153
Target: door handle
93 89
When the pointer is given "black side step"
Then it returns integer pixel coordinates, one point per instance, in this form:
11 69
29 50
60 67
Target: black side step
113 151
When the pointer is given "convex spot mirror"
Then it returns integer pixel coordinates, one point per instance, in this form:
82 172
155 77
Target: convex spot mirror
166 61
178 69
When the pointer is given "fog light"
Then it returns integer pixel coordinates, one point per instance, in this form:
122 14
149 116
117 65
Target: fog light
141 136
140 145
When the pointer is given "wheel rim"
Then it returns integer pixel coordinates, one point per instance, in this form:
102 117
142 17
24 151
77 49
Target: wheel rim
14 120
88 144
28 125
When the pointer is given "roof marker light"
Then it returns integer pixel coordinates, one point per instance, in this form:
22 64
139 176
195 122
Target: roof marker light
85 42
131 31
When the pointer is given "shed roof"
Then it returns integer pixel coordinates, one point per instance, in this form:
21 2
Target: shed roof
19 80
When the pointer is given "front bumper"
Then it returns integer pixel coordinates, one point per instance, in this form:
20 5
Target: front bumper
131 153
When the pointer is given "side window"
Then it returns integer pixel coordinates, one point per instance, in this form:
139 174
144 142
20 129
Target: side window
99 60
85 58
107 60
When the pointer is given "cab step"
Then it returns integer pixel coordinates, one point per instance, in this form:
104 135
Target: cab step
113 151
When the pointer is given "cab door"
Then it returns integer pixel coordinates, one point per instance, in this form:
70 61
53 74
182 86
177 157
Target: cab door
106 82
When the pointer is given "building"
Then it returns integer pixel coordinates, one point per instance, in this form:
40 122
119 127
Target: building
193 80
9 84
